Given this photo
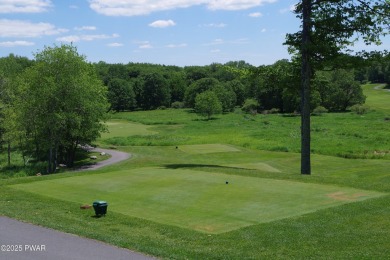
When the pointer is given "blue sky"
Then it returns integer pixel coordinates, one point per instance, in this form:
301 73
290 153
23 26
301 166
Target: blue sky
170 32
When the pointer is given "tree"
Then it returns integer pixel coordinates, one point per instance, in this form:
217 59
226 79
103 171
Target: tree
197 87
338 89
207 104
155 91
62 104
328 28
10 68
121 95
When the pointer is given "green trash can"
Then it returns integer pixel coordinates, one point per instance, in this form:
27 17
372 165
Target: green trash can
100 207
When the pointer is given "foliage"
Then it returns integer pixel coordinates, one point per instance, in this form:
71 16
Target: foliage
61 105
250 105
320 110
360 109
207 104
328 28
177 105
155 91
121 95
338 90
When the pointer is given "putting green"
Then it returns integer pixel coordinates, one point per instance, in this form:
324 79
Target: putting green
197 200
122 128
207 148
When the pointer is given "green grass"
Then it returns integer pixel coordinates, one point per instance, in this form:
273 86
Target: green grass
198 200
345 135
207 148
122 128
341 211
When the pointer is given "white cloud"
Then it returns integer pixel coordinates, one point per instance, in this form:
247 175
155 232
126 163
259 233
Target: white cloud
215 25
256 15
146 46
86 37
115 44
236 4
24 6
240 41
215 42
85 28
17 28
215 51
263 30
16 43
177 45
162 23
143 44
143 7
289 9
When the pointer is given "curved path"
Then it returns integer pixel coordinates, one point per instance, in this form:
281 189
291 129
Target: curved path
116 156
381 87
24 241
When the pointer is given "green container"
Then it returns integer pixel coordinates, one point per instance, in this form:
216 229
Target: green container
100 207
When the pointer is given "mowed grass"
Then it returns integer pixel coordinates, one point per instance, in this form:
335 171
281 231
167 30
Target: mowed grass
202 201
122 128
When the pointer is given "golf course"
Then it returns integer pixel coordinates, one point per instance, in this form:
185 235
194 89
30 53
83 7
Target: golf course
227 188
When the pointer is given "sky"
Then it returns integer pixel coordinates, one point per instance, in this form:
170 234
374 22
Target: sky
169 32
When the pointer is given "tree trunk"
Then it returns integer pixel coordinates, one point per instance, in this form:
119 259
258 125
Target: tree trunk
9 153
305 91
49 160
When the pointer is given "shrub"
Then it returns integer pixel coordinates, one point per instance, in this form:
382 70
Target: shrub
360 109
320 110
250 105
177 105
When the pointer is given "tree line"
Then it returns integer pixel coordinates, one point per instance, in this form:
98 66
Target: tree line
276 87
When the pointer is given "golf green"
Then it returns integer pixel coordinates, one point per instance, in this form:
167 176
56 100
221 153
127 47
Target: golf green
202 201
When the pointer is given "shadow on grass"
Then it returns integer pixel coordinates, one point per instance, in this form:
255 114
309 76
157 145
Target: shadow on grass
205 119
193 165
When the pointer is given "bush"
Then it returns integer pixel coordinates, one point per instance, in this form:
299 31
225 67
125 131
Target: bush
207 104
250 105
360 109
320 110
177 105
271 111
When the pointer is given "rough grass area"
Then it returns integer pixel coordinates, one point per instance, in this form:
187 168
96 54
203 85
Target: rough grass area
202 201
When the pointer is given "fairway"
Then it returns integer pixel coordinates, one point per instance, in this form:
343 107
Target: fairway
197 200
123 128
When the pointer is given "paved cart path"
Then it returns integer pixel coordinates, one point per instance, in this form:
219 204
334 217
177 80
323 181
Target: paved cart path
116 156
23 241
